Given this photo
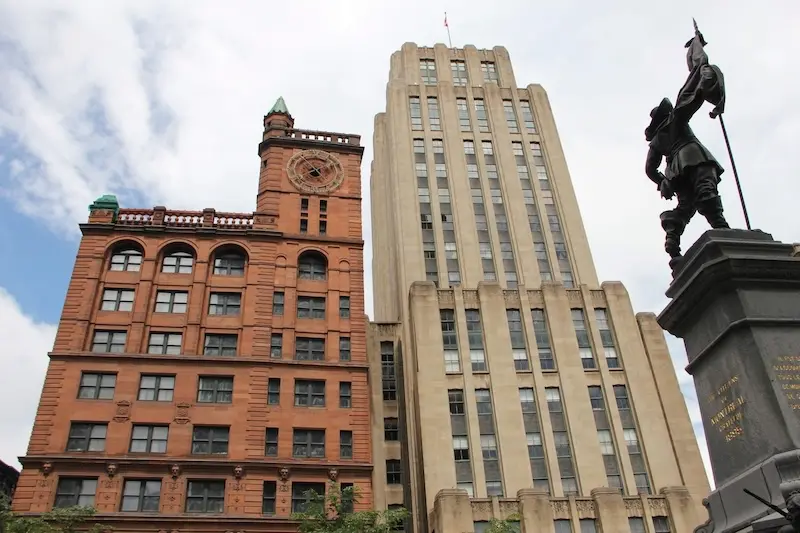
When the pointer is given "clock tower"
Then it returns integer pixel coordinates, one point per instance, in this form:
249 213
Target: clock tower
310 180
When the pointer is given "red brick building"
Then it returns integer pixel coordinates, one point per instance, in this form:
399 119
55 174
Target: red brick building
209 368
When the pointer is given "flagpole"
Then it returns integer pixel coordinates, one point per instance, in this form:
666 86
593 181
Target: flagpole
446 25
730 154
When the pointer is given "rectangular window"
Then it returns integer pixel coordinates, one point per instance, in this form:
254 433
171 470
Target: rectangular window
301 493
455 399
303 225
394 472
271 442
156 388
215 389
463 114
348 497
165 343
323 227
126 260
527 116
205 496
452 362
309 349
345 394
344 307
73 492
274 391
483 401
109 341
171 301
278 302
588 525
527 400
323 206
562 526
582 335
309 393
518 349
489 71
661 524
139 495
460 447
480 116
433 114
225 303
310 307
459 70
308 443
609 348
269 497
511 116
489 447
304 205
87 437
475 336
220 344
391 429
388 372
276 345
427 70
636 524
210 440
344 348
117 300
229 264
96 386
177 263
345 444
542 333
415 109
149 439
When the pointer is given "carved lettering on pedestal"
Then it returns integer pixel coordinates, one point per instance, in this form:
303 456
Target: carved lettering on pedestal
787 374
727 405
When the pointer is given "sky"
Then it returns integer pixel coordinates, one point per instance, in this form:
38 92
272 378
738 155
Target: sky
161 103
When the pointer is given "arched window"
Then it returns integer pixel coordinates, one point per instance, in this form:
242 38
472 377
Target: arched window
229 262
126 258
177 261
312 265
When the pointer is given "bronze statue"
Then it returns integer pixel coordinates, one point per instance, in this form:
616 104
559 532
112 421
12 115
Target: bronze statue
692 173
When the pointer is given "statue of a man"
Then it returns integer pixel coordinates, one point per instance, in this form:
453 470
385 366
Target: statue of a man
692 174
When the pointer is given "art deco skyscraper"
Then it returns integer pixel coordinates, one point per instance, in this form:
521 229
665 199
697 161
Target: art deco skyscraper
501 365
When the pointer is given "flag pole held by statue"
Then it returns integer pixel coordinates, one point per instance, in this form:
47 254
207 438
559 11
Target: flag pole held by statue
717 113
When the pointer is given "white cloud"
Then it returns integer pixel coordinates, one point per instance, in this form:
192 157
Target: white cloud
149 99
24 362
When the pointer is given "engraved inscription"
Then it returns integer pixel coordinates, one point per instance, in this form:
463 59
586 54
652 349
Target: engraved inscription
787 374
727 404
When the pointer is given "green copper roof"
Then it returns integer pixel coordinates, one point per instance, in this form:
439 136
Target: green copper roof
279 107
107 201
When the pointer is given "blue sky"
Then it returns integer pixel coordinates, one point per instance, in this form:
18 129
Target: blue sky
163 105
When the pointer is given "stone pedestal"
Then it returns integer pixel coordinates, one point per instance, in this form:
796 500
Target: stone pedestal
736 305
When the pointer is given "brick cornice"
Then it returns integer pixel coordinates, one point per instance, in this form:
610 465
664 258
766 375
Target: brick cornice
251 464
200 360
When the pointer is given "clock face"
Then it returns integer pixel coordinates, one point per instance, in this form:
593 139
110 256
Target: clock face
315 171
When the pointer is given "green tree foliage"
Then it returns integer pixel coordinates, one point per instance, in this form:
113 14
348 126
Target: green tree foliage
333 513
65 520
509 525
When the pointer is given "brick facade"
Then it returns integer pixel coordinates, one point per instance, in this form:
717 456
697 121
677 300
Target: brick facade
272 244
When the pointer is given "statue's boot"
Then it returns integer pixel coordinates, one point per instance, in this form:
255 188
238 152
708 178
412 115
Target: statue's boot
711 209
673 227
